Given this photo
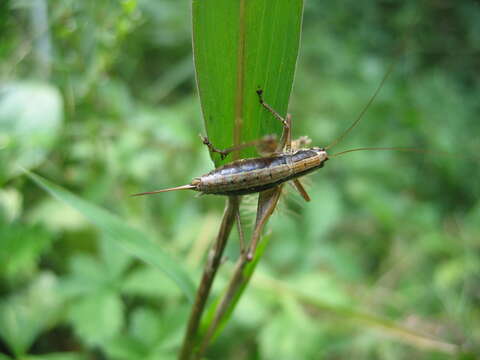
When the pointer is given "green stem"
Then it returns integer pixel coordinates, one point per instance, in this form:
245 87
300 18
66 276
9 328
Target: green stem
209 272
267 201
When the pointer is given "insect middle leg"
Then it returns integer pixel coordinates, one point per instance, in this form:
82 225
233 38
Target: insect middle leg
286 139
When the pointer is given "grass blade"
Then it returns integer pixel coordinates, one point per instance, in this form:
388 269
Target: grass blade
130 239
240 46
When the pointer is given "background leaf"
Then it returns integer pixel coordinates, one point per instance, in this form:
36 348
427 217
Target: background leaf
397 234
24 317
127 237
57 356
27 132
98 317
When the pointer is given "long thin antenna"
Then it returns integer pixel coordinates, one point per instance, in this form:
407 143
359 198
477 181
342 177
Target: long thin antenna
365 108
183 187
384 148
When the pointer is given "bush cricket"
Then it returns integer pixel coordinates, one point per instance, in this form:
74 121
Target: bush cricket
286 161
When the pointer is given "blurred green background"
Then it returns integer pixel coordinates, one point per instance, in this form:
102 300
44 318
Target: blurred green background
384 263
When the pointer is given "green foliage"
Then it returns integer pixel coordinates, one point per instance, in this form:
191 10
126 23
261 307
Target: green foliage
382 263
22 246
131 240
25 315
27 132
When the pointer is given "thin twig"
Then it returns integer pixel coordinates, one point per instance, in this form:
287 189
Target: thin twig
209 272
267 201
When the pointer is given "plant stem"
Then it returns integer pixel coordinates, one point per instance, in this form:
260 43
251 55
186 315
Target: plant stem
267 201
209 272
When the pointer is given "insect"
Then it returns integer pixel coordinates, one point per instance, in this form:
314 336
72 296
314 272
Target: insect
287 162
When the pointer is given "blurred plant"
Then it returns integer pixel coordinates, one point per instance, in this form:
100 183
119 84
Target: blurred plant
383 263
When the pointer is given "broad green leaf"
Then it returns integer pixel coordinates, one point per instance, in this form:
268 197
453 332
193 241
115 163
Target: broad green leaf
10 204
290 333
20 247
116 262
98 317
58 356
87 277
150 337
147 282
30 118
240 46
125 347
130 239
25 315
339 306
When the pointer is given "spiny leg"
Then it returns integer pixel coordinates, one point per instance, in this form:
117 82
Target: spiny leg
269 108
299 187
264 143
267 202
286 139
240 231
206 141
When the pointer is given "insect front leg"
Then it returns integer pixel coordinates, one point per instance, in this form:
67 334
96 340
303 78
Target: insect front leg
206 141
265 144
286 139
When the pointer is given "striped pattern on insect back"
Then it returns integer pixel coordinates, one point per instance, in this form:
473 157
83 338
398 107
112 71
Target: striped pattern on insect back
248 176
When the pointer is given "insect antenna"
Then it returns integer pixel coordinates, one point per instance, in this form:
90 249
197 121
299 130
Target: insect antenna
365 108
183 187
384 148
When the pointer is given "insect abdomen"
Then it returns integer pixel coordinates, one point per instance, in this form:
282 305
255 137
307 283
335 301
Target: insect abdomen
249 176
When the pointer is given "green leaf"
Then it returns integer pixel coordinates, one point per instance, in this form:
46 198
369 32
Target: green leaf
149 283
116 262
30 118
290 333
87 276
240 46
20 247
57 356
149 336
125 347
98 317
130 239
27 314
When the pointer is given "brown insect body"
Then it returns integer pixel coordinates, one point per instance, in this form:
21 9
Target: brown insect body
248 176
